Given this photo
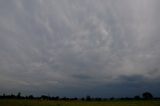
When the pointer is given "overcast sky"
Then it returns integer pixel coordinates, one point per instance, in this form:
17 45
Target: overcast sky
73 48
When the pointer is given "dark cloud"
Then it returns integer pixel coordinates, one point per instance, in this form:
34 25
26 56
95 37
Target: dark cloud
54 45
132 78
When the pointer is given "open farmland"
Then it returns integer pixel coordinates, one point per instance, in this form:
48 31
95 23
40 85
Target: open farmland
79 103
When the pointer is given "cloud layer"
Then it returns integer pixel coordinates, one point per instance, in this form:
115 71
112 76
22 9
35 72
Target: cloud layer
74 47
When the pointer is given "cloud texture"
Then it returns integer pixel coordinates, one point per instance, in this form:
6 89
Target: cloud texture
75 47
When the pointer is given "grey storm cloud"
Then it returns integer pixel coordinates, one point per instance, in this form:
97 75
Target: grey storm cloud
60 46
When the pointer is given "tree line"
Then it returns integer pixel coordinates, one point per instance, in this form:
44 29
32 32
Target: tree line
145 96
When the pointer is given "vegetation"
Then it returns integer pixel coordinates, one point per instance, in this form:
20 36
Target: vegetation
145 96
18 102
147 99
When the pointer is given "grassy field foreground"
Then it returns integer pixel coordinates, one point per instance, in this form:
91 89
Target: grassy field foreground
78 103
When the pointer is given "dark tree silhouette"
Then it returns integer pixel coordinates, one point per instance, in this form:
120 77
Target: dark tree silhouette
112 98
147 95
137 97
19 95
88 98
30 97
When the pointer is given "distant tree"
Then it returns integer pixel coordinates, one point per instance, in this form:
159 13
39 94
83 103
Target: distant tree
4 94
147 95
112 98
57 98
137 97
98 99
19 95
31 97
88 98
13 96
82 99
75 98
65 98
44 97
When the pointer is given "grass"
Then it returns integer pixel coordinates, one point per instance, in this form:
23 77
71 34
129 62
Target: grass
79 103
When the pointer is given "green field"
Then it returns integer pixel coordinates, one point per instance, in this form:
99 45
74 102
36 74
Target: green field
78 103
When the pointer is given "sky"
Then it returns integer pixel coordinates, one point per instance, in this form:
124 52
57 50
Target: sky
74 48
